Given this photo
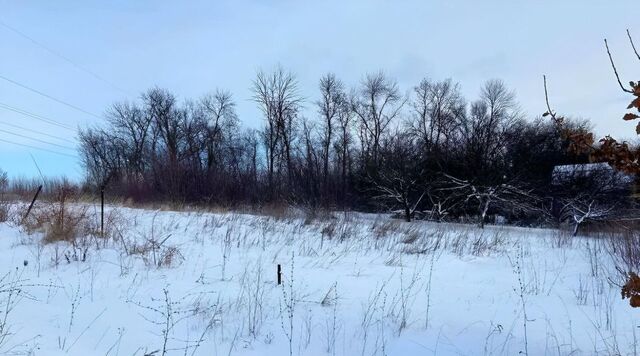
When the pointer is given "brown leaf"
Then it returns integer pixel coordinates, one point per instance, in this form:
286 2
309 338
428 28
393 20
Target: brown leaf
638 129
630 116
545 114
634 104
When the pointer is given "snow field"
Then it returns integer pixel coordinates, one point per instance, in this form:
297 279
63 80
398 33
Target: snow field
196 283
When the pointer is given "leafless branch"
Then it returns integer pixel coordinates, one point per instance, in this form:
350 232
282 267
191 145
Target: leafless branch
546 99
632 44
615 71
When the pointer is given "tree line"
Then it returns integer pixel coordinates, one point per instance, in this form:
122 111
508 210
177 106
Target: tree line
427 153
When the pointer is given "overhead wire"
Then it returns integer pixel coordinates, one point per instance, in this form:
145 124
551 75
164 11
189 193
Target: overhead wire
61 56
33 131
35 116
42 118
43 94
38 148
37 139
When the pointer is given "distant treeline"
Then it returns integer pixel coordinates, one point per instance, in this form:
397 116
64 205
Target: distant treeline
430 153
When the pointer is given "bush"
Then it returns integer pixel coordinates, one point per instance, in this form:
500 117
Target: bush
57 220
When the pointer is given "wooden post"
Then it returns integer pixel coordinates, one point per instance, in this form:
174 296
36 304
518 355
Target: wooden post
32 202
279 274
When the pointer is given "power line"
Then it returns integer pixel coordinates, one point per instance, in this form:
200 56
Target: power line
49 96
57 54
38 148
36 116
37 139
34 131
37 167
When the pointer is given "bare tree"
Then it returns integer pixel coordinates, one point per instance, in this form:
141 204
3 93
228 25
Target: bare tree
377 104
438 109
161 106
343 147
131 127
220 119
250 141
442 201
277 96
329 106
588 193
485 131
4 180
399 178
101 155
310 182
584 208
507 194
193 140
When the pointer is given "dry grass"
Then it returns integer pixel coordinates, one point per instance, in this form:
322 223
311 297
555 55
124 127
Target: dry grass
279 212
157 255
607 227
65 220
385 228
152 246
624 249
66 225
58 222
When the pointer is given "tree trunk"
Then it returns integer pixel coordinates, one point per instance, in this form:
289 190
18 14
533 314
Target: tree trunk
407 213
483 212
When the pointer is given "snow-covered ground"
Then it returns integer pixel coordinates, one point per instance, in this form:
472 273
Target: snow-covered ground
352 285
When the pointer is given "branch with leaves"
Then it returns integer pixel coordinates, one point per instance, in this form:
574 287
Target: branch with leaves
617 154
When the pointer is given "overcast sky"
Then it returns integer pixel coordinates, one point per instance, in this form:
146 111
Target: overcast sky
193 47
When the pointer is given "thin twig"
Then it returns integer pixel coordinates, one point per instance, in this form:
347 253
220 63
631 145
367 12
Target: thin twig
546 99
632 44
615 71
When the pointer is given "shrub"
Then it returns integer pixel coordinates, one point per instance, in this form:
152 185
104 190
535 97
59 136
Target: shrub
57 220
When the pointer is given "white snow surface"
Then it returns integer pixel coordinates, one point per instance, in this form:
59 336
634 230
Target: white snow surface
353 284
